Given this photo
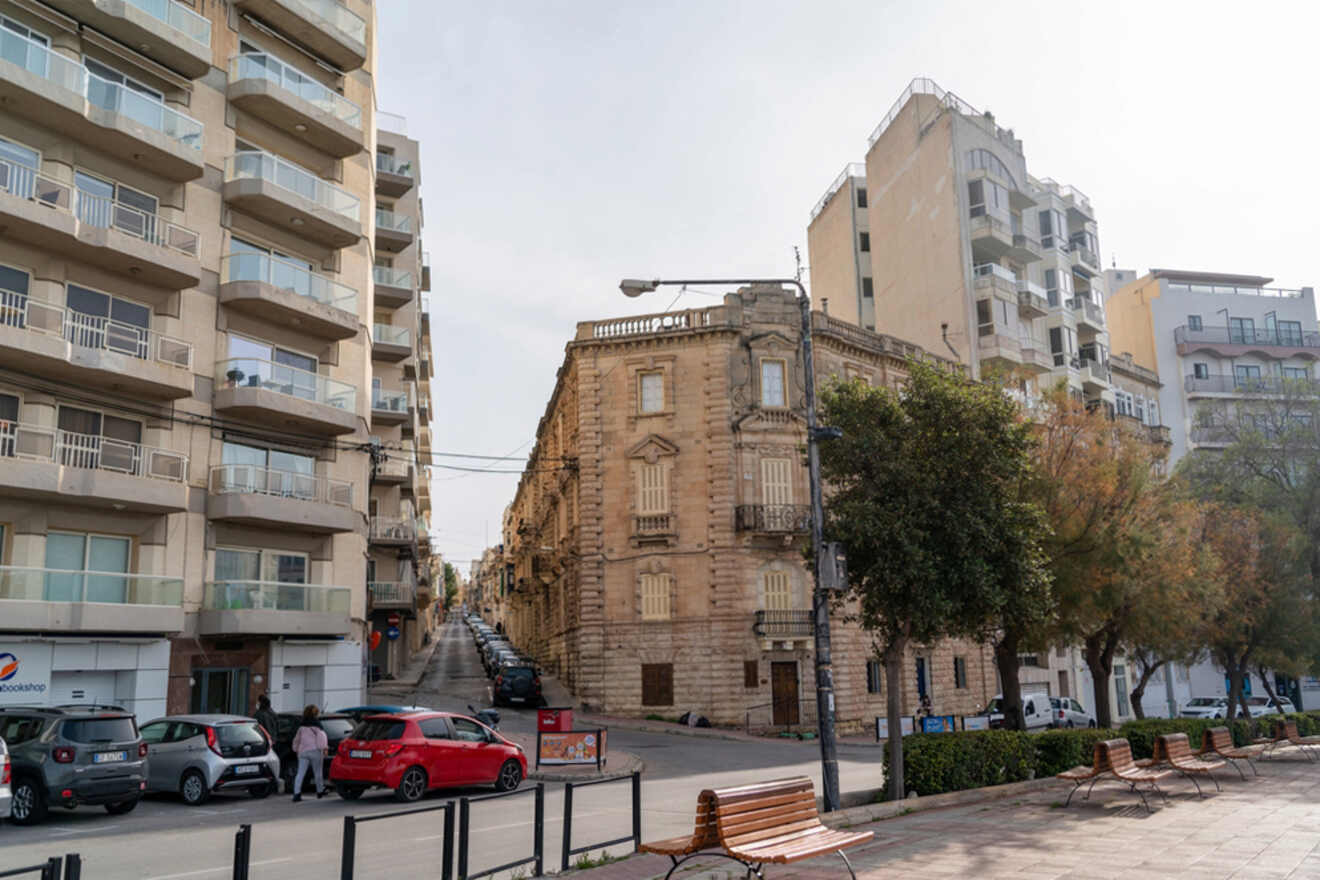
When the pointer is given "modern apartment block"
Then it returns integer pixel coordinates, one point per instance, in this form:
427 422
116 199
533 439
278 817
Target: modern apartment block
1216 340
657 535
187 345
944 238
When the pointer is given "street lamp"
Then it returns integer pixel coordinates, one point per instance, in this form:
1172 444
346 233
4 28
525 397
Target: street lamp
820 602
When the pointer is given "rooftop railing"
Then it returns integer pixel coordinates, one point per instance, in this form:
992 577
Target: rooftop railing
391 122
388 334
339 17
195 27
284 379
391 165
286 275
258 165
105 587
927 86
258 65
1224 289
90 452
390 220
852 169
246 479
1064 192
645 324
275 596
388 276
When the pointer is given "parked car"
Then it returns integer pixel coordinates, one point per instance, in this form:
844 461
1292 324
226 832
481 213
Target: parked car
1067 712
1036 711
415 752
1204 707
337 727
1265 706
517 685
357 713
199 755
72 757
6 798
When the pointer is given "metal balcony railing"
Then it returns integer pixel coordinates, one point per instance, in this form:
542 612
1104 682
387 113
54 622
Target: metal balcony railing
783 624
259 165
258 65
92 331
388 334
114 588
248 479
389 594
790 518
390 220
1250 384
388 276
391 165
283 379
1283 338
287 275
393 528
337 15
275 596
195 27
91 452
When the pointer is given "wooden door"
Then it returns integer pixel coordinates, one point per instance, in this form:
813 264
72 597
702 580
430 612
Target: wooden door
784 693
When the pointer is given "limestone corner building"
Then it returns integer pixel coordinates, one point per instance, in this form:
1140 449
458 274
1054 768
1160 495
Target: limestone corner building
190 325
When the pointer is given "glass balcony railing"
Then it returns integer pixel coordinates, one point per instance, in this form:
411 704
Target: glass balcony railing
257 65
388 334
994 270
289 276
246 479
390 401
396 222
286 380
196 27
106 587
391 165
257 165
41 61
387 276
275 596
338 16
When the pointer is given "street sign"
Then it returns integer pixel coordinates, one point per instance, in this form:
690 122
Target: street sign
392 633
394 619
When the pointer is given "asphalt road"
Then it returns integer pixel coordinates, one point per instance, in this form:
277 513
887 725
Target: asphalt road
165 840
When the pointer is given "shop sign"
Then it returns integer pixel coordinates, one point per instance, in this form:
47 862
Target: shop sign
25 673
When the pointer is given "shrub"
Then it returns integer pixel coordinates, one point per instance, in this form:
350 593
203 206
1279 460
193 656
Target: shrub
1059 750
1141 734
934 763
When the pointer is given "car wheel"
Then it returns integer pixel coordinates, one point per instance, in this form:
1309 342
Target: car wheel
122 807
510 776
261 791
412 786
348 792
28 806
194 789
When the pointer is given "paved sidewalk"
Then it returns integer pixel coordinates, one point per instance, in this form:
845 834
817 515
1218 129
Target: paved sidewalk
1265 827
410 676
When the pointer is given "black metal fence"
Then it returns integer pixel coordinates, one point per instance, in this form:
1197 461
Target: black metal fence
242 852
537 858
568 850
54 868
348 849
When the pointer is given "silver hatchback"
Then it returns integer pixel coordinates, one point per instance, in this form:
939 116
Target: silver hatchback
198 755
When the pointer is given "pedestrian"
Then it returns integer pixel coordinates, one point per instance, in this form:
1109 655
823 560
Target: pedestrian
266 716
310 745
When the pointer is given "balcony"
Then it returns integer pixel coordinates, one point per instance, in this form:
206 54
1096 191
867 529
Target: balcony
394 232
284 293
1025 248
270 608
1084 258
85 350
1160 434
394 471
989 279
393 531
655 526
1095 376
1213 436
1237 341
55 600
57 217
1089 315
393 177
1036 357
292 199
390 408
394 288
284 396
1248 386
295 103
326 27
992 238
784 624
1033 302
52 465
426 275
163 30
389 343
391 594
59 93
778 519
997 347
258 496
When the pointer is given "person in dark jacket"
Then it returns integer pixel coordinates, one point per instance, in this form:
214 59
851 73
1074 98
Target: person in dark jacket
266 717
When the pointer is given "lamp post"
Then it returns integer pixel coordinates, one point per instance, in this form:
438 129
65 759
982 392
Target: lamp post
820 603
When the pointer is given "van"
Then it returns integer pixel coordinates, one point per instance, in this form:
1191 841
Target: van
1035 711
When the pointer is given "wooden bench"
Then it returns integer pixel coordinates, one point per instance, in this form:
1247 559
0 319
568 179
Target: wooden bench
1285 734
1113 758
1175 750
1219 741
705 836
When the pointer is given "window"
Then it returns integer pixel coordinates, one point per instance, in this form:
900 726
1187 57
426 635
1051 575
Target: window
651 392
653 490
1058 286
1152 412
1053 229
1193 322
861 197
1201 371
1241 330
776 481
18 164
1289 332
91 440
864 242
1123 403
240 573
434 728
105 203
657 684
1246 376
268 471
960 672
86 567
868 288
99 320
772 382
778 591
1296 373
984 160
23 46
655 597
468 731
249 262
751 669
114 91
875 676
987 197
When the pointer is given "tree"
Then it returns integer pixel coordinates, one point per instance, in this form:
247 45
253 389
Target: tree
922 492
451 584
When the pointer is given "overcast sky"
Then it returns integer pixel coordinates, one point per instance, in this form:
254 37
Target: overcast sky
568 144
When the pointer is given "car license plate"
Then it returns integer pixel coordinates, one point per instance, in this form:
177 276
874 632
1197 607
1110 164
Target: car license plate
359 753
517 699
247 769
109 757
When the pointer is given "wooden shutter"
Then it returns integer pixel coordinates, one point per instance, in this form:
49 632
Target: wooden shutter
751 674
657 684
653 490
777 481
655 597
778 591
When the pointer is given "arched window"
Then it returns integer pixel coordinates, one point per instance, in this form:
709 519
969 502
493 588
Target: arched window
985 160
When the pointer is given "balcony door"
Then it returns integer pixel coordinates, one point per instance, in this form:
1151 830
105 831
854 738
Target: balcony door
287 372
86 567
240 573
269 471
287 272
105 203
1241 331
8 424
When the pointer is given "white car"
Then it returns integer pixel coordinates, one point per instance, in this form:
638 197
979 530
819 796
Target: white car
1036 711
1067 712
6 796
1204 707
1264 706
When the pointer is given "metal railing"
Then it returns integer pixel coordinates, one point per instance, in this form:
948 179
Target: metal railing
144 110
70 868
794 518
195 27
988 270
259 165
388 276
1085 254
1064 192
536 859
348 846
94 210
390 401
1098 370
1230 289
287 380
392 528
246 479
388 334
391 593
927 86
107 587
390 164
1093 312
782 713
1250 384
390 220
91 452
784 623
92 331
287 275
1245 336
567 850
258 65
337 15
852 169
275 596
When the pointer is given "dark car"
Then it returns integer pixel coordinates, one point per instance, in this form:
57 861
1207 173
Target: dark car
71 757
336 727
517 686
357 713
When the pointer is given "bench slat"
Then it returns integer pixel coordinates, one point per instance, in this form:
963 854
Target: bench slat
775 822
769 832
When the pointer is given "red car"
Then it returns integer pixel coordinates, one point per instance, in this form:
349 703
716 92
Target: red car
414 752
